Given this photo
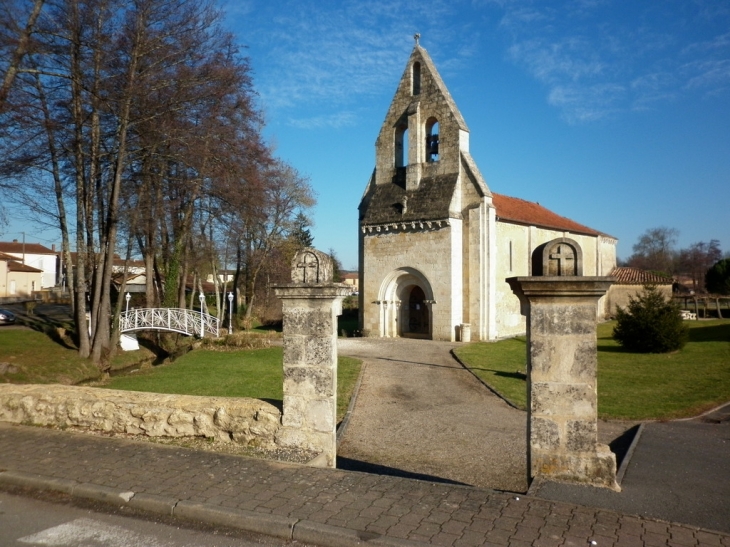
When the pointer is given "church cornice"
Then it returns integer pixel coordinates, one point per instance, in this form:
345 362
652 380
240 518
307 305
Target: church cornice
605 238
405 226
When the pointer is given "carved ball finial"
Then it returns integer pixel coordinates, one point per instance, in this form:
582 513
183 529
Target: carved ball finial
416 37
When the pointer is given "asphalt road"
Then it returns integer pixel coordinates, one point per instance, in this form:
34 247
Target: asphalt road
679 472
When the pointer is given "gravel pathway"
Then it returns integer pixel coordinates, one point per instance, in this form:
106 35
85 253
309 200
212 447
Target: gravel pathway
418 411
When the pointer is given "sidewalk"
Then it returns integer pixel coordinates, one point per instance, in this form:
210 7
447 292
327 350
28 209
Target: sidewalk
318 506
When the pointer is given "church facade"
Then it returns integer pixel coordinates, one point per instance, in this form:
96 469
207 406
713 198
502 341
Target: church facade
435 243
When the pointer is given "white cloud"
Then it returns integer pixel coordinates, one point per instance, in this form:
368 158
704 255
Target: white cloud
550 62
581 104
708 75
597 59
334 121
317 57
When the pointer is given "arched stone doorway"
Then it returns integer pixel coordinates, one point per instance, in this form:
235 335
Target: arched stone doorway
406 301
416 320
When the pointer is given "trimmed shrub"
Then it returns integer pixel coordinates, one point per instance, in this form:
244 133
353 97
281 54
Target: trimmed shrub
650 324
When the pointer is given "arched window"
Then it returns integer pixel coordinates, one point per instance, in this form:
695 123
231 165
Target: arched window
401 146
432 139
416 78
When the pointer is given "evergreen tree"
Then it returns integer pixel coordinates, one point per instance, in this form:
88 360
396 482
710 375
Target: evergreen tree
650 324
301 233
717 278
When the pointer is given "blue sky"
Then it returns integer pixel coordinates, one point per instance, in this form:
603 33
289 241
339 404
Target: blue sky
613 113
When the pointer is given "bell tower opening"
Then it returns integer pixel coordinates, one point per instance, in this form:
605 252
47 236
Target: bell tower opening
416 78
432 140
401 146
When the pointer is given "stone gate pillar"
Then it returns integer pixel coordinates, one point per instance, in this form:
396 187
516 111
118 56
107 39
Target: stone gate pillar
311 305
561 311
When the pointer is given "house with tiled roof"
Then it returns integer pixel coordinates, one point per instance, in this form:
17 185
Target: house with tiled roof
631 281
352 280
36 256
436 244
18 280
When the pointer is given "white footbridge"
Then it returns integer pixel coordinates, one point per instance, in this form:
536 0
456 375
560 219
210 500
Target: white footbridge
189 322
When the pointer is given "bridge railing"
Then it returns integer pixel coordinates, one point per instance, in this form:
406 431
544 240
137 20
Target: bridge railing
179 320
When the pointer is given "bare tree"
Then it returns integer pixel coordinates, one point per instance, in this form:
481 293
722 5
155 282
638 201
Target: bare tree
136 108
697 259
655 250
15 41
261 229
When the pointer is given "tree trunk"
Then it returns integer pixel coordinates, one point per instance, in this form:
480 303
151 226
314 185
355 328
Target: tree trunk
20 51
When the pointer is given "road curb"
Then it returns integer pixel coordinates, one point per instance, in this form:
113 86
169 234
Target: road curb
260 523
37 482
250 521
101 493
629 453
150 503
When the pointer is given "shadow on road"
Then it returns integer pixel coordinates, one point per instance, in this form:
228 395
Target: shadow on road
348 464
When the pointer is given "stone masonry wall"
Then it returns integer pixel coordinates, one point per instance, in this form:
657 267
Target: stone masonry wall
618 295
428 252
245 421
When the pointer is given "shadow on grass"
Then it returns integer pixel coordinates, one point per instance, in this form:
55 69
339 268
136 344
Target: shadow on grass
612 349
517 375
715 333
348 464
57 332
276 326
161 356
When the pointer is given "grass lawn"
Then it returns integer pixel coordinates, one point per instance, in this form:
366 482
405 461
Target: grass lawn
243 373
40 359
632 386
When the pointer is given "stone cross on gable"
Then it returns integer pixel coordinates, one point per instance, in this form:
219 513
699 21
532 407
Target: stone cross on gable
309 268
562 260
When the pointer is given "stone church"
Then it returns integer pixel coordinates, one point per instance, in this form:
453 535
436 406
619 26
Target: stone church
435 243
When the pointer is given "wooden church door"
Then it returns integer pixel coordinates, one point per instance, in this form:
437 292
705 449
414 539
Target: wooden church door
418 318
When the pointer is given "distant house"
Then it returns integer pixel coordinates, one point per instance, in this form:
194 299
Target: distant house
136 282
351 279
36 256
224 276
132 266
18 279
630 282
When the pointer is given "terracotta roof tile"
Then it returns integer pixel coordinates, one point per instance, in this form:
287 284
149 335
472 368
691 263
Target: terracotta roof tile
30 248
527 212
14 266
635 276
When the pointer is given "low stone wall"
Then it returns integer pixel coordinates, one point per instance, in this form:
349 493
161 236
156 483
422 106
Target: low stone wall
246 421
